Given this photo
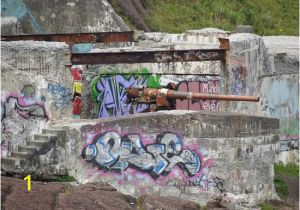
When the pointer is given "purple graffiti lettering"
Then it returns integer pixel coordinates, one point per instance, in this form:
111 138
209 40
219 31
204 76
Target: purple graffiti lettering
112 98
239 82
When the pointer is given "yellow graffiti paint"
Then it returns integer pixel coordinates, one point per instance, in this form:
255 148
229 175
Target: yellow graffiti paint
77 87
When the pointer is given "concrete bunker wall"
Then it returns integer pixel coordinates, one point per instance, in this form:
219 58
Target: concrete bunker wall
104 85
192 155
30 17
255 66
36 88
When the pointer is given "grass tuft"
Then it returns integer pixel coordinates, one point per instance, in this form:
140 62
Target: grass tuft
66 178
290 169
266 206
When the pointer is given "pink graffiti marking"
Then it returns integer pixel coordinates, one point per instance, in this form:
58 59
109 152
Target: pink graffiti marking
113 163
199 87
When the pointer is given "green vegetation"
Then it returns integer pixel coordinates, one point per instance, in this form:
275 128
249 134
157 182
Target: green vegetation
66 178
266 206
268 17
118 10
140 201
290 169
281 187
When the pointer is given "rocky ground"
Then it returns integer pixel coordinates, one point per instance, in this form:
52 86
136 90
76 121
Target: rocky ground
64 196
68 196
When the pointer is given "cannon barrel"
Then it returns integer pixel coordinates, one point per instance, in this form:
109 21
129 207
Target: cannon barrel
172 94
153 94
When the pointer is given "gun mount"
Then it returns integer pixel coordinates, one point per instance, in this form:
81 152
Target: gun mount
164 99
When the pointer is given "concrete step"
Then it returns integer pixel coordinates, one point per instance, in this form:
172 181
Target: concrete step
29 149
12 162
58 132
22 155
43 137
37 143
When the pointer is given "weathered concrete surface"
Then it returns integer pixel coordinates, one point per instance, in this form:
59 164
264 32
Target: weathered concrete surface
36 88
261 66
279 91
191 39
39 58
205 154
61 16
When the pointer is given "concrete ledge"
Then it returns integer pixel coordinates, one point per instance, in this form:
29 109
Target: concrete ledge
186 154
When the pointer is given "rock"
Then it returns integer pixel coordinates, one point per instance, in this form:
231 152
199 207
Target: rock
14 194
241 201
149 202
94 196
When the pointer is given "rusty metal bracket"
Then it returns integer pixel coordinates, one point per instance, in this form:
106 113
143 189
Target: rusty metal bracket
224 43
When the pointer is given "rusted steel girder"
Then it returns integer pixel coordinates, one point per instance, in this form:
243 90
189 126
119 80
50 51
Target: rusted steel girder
148 56
73 38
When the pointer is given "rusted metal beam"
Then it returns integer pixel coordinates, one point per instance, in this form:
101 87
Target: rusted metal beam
148 56
224 43
73 38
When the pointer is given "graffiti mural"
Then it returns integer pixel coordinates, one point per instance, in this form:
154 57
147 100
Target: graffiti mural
62 95
25 104
77 74
201 86
143 160
239 72
110 93
111 151
21 114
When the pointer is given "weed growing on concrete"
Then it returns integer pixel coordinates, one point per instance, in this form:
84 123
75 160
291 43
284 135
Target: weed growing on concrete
267 206
290 169
66 178
140 201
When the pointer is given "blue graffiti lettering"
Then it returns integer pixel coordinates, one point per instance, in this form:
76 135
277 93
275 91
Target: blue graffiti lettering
61 94
111 151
